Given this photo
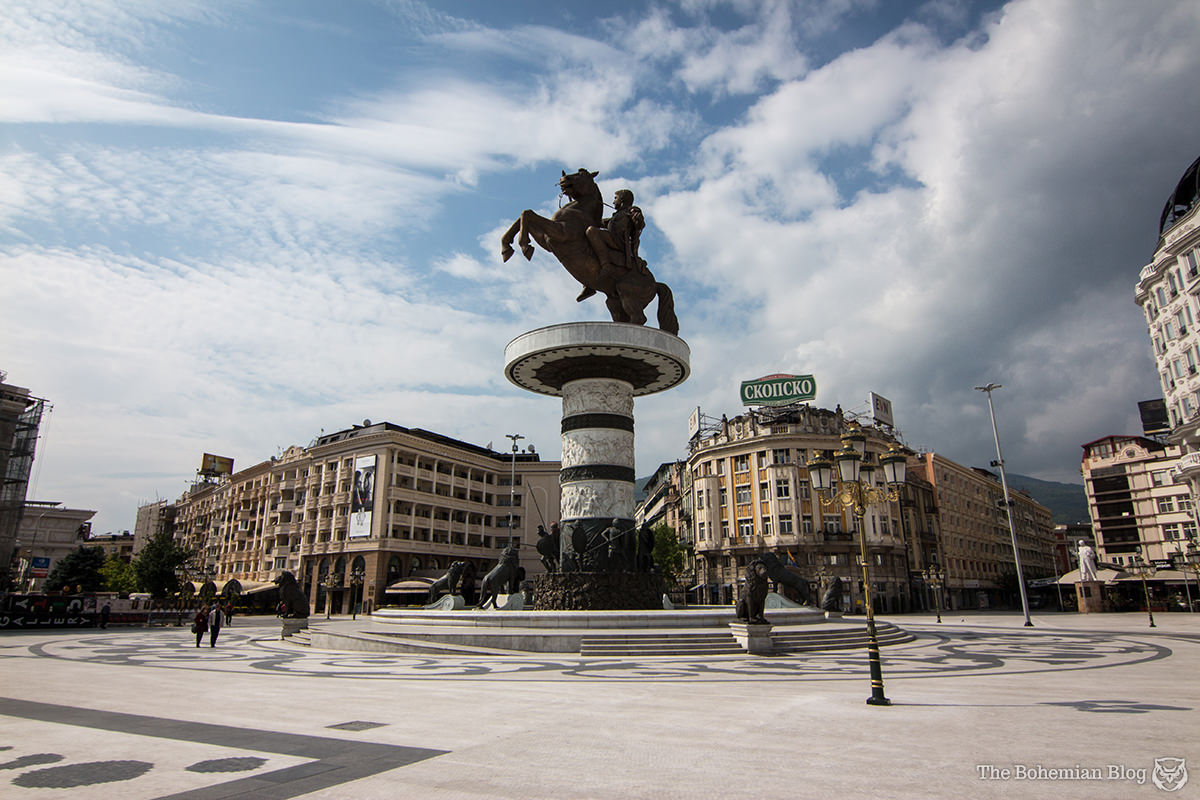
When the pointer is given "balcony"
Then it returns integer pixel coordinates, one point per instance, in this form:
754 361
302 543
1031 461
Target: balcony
1188 466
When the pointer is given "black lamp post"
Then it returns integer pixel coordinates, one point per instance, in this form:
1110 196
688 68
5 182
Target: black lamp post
1144 570
357 575
856 492
935 576
330 583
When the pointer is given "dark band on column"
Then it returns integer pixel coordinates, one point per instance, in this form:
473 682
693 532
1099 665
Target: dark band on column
614 421
597 472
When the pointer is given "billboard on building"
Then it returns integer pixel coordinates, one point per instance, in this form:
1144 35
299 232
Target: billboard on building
881 410
362 496
1154 417
778 390
215 466
694 423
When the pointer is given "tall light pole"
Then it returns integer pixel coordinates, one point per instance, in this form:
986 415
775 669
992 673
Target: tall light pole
1008 504
855 492
1144 569
512 484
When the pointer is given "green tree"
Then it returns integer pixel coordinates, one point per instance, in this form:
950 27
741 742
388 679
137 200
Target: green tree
118 575
155 565
80 568
668 553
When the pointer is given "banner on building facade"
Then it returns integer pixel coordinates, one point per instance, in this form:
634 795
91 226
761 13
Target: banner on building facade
694 423
362 496
778 390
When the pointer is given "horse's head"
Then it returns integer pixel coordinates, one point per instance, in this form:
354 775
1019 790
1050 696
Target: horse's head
578 184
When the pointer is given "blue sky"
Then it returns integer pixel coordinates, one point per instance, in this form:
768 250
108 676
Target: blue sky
226 226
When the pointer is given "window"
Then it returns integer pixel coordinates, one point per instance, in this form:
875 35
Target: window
764 491
785 524
745 528
1160 477
766 526
806 523
1184 502
1171 531
741 463
1166 505
701 531
724 497
803 489
833 525
699 498
743 493
725 528
762 459
783 489
783 456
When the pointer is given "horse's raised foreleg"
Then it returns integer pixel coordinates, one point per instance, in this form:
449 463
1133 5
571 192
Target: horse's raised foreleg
506 249
529 221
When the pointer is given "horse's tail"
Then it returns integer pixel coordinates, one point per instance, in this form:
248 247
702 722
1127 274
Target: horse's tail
667 321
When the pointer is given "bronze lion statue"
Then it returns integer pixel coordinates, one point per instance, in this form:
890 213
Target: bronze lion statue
292 598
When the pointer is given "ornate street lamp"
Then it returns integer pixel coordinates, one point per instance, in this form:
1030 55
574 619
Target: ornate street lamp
935 577
512 484
856 492
357 575
330 583
1191 563
1143 571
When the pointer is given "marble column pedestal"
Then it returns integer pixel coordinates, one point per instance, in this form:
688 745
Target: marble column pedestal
597 368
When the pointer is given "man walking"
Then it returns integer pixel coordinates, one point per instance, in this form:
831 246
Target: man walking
214 623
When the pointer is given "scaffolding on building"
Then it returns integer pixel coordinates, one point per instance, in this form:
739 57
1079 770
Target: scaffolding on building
20 418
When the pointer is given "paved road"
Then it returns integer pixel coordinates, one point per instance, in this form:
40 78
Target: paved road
1078 706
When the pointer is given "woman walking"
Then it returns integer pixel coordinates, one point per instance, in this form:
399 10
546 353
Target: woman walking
200 624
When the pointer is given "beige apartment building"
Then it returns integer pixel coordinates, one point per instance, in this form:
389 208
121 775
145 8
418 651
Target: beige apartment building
1135 504
749 493
377 500
976 543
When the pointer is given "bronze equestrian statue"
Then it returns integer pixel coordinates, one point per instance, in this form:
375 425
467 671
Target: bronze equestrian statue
599 253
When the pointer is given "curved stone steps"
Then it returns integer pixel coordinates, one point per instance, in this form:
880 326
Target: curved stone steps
696 644
676 644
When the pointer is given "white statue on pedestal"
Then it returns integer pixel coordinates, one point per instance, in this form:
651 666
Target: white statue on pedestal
1087 562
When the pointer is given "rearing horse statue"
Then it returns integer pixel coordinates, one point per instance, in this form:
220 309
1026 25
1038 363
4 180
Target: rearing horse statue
627 287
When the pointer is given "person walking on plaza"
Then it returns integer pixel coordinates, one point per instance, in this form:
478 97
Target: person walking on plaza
214 623
105 613
228 609
200 624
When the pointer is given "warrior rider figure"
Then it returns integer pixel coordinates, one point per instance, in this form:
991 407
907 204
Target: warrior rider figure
616 243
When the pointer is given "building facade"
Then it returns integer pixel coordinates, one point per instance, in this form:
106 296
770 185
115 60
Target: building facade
1168 291
120 544
976 542
48 531
750 492
381 501
20 417
1136 506
152 519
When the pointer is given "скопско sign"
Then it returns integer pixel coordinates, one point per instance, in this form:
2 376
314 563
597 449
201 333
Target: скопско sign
778 390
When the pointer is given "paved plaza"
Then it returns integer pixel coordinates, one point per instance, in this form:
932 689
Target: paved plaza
1079 706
